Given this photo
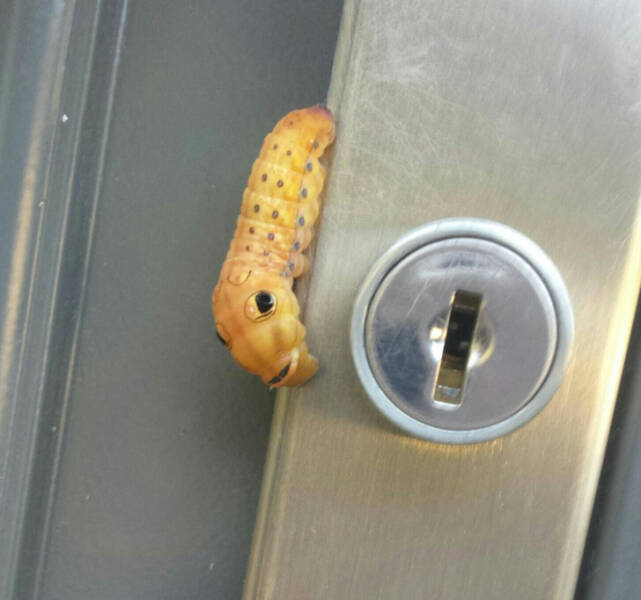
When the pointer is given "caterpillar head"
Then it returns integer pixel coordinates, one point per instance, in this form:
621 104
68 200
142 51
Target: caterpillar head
258 322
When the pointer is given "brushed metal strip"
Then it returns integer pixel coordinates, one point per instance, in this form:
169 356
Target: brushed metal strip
526 113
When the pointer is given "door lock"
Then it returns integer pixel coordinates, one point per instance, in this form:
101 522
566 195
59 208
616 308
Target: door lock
461 331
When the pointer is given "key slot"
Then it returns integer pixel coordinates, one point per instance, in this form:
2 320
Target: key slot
460 331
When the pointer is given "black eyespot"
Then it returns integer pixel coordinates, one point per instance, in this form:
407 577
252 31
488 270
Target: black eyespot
264 301
285 370
281 375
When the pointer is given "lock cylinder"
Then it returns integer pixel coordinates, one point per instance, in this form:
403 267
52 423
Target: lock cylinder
461 331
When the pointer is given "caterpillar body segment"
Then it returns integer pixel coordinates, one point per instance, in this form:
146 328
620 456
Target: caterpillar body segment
255 309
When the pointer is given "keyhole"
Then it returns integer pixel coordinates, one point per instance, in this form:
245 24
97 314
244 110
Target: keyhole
462 322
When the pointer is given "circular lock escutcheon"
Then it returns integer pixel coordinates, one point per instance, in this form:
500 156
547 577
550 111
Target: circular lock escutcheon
461 331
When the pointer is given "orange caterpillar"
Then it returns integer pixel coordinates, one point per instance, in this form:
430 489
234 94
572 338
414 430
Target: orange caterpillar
255 310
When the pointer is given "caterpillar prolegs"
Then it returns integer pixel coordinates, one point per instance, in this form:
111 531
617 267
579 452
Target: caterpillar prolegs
255 309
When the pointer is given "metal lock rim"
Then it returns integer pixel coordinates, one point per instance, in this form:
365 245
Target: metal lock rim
447 229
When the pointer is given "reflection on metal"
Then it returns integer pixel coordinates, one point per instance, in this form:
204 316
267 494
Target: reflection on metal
522 112
525 335
460 332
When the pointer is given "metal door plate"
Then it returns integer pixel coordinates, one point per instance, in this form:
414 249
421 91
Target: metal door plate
525 113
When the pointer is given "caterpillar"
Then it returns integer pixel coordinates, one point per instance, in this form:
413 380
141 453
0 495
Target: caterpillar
255 310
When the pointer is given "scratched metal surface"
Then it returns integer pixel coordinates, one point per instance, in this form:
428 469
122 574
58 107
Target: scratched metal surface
523 112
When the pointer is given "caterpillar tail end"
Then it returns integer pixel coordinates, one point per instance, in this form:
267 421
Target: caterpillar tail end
322 109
